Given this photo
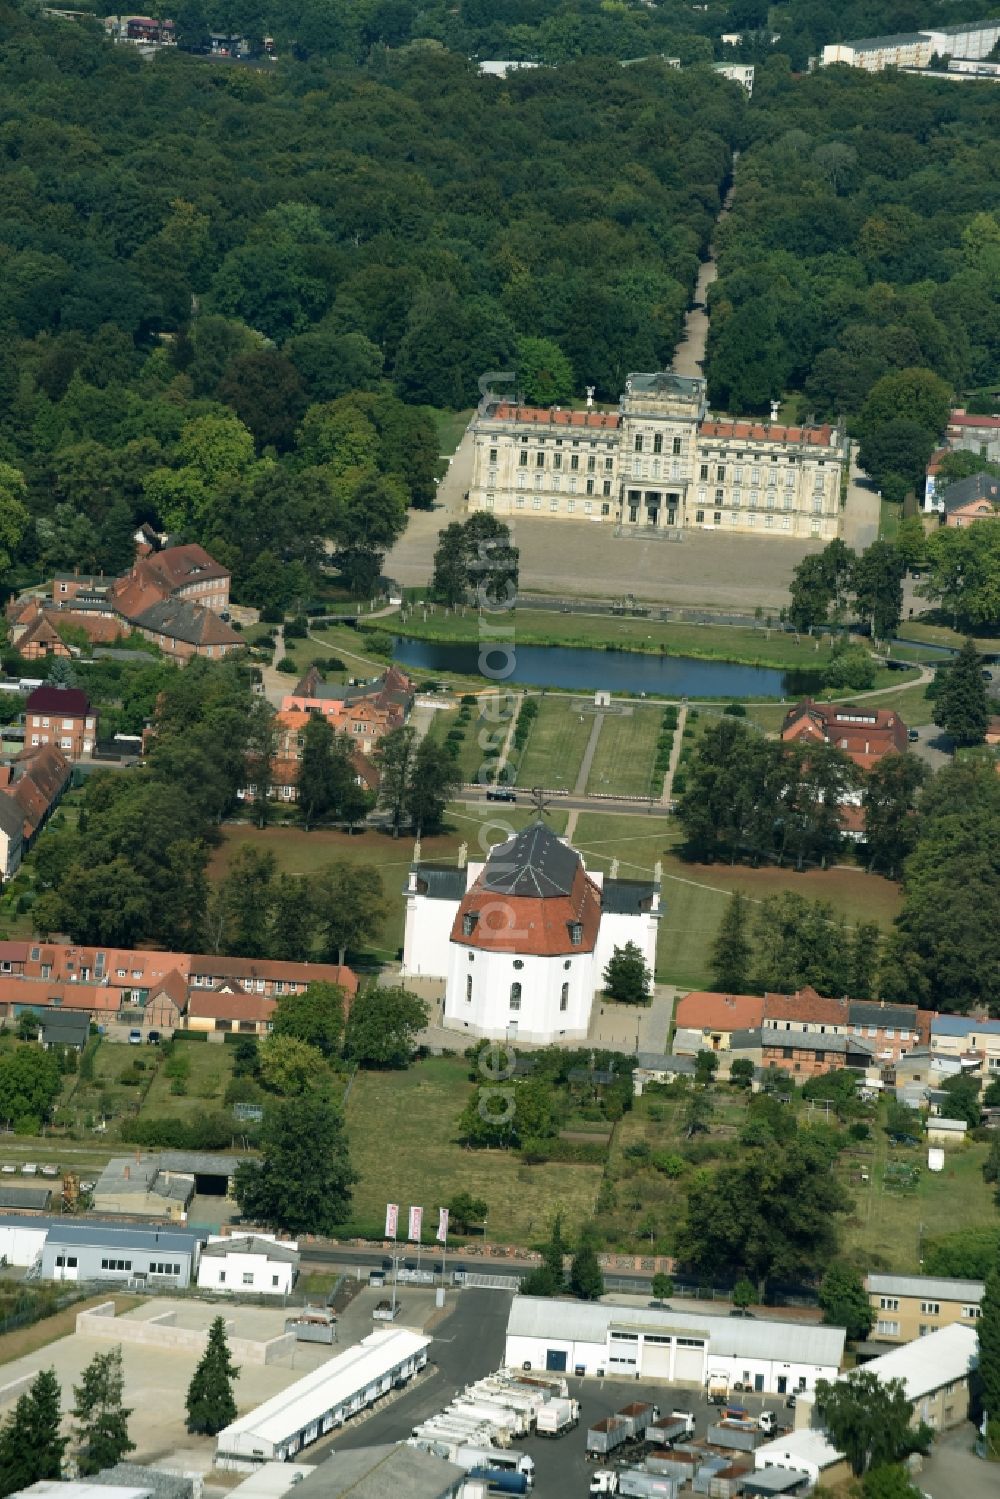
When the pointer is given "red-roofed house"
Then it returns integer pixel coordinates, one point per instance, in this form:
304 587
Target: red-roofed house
176 599
865 734
706 1021
61 716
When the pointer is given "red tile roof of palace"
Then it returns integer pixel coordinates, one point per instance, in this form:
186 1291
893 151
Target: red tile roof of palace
822 437
41 772
14 952
68 702
807 1007
538 926
963 419
274 969
101 629
220 1004
704 1010
40 632
177 567
51 994
866 743
124 967
544 416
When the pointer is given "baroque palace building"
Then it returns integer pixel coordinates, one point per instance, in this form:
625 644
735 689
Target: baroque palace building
660 463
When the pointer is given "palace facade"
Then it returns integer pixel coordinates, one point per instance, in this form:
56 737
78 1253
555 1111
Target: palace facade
659 463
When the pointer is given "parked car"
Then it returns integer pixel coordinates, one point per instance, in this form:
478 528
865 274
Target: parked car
913 735
500 794
153 1038
135 1038
8 1170
29 1169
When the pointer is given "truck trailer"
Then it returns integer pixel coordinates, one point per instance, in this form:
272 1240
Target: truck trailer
495 1459
633 1483
606 1436
499 1481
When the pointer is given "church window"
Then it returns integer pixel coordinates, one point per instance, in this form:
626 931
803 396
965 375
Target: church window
564 998
468 989
469 921
515 996
566 964
518 963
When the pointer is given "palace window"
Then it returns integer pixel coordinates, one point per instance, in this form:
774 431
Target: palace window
638 442
523 458
564 997
515 996
657 442
676 446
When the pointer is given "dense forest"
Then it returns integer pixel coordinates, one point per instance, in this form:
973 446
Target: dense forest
556 31
228 295
233 298
864 242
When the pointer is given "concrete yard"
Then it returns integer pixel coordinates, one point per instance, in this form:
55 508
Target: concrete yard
157 1378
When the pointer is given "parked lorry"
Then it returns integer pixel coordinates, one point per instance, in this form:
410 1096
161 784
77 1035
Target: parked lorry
499 1481
718 1389
738 1415
494 1458
541 1379
606 1436
666 1430
556 1417
634 1483
637 1417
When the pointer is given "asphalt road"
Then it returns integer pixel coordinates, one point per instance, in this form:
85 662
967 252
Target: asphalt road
338 1257
476 796
468 1344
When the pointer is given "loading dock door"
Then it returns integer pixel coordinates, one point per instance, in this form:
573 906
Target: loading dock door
656 1354
555 1360
689 1365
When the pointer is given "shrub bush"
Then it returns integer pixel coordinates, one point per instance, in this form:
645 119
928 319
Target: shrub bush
287 665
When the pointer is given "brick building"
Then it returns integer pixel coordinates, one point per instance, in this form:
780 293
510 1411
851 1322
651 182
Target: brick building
60 716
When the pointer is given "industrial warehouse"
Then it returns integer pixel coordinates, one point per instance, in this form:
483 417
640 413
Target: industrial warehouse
775 1358
323 1399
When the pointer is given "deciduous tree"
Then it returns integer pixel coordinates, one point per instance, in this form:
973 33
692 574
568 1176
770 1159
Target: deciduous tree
844 1300
869 1419
383 1026
302 1182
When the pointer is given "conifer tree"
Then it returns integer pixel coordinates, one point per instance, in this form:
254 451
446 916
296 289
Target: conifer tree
210 1401
989 1358
585 1276
102 1420
961 706
31 1447
732 950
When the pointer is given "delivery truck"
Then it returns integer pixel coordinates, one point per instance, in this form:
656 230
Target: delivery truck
499 1481
501 1461
666 1430
557 1417
637 1416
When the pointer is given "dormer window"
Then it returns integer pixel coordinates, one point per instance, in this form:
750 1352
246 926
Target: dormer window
469 922
576 932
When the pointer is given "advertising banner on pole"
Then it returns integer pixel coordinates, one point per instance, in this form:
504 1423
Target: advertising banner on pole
391 1219
416 1224
442 1233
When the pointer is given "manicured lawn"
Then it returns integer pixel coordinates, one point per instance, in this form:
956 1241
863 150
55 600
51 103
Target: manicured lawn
694 895
623 762
305 854
556 745
417 1111
334 640
451 426
916 629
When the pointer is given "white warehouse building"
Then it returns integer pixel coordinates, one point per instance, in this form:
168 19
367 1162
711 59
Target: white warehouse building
322 1400
523 939
774 1358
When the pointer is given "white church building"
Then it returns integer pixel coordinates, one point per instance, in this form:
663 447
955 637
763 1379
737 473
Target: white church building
523 939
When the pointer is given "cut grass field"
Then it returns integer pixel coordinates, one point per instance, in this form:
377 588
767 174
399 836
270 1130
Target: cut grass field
623 761
556 745
211 1069
301 853
695 895
417 1111
887 1227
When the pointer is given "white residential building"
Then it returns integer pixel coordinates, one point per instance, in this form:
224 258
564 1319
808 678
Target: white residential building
248 1263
